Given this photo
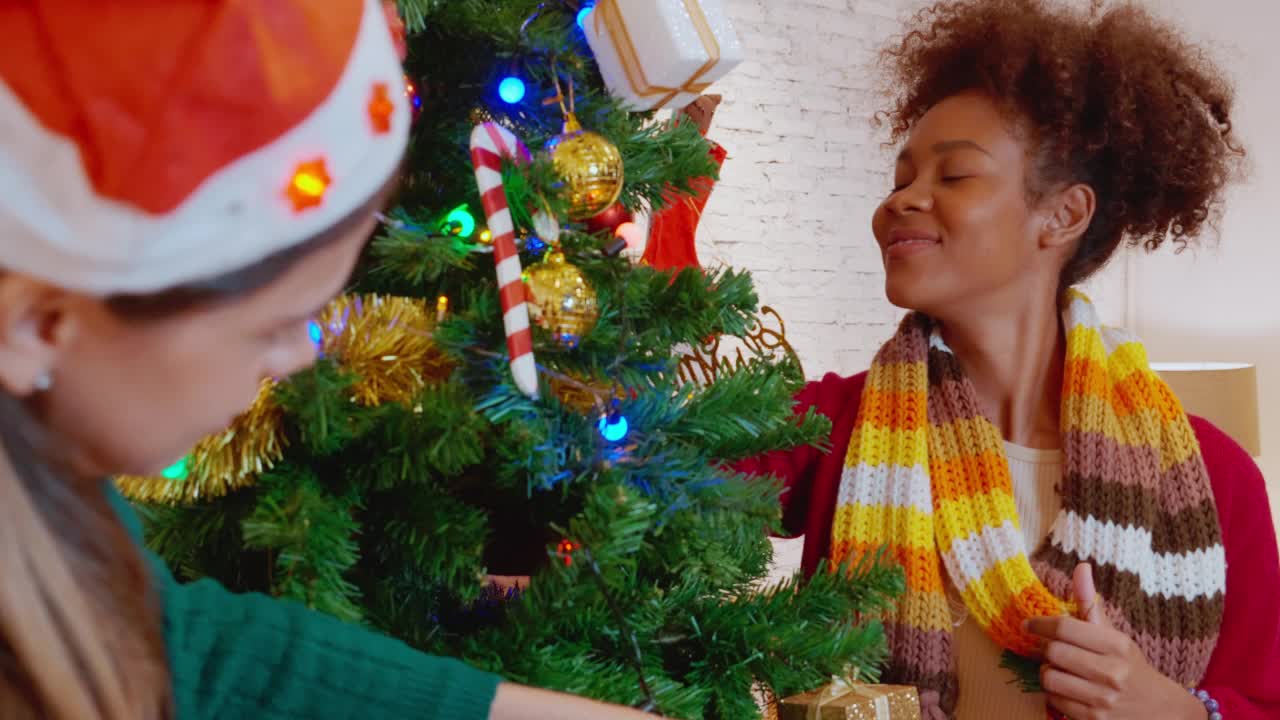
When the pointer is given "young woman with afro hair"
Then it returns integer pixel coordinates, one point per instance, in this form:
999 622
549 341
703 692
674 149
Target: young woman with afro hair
1051 503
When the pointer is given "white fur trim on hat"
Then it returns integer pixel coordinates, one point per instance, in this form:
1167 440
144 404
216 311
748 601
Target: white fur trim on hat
54 225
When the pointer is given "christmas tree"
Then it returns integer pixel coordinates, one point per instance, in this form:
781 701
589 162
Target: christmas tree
391 484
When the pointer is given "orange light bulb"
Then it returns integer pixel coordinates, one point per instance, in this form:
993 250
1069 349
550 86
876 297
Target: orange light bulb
310 182
381 109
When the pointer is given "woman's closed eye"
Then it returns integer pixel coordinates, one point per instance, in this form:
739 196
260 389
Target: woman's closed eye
946 179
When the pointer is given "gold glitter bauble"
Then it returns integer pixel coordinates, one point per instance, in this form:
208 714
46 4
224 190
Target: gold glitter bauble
591 167
560 299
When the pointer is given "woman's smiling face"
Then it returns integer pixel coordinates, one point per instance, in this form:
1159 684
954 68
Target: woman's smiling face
958 229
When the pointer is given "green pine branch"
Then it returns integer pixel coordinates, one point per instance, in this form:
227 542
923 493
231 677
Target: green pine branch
205 540
312 535
1026 671
748 412
319 403
414 255
436 436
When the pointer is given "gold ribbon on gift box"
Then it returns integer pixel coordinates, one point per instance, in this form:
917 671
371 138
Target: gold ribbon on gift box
609 15
850 700
839 688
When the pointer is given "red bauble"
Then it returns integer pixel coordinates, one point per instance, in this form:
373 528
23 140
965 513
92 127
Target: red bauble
609 220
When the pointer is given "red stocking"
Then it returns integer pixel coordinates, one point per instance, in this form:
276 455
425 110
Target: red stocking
673 231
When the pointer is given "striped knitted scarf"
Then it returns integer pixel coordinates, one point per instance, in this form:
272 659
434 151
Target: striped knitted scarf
926 475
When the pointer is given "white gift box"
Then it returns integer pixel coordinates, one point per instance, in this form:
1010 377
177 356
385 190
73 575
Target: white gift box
662 53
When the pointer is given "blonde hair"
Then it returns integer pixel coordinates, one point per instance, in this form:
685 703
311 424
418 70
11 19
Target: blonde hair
79 629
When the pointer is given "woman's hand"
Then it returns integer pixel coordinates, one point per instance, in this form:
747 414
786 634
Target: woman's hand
931 706
701 111
1094 672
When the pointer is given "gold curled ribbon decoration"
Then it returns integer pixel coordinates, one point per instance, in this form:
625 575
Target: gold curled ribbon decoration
704 363
386 341
608 15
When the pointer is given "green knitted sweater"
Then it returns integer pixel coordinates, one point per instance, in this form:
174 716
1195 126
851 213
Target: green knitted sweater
251 656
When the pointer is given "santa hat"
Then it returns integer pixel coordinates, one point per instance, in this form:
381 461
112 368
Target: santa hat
144 145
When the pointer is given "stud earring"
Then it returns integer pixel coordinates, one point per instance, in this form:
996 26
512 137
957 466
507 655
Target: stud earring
43 382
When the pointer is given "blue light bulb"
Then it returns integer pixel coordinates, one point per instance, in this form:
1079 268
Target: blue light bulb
614 427
583 13
511 89
316 333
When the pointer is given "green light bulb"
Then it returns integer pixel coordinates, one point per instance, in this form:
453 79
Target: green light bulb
461 218
176 471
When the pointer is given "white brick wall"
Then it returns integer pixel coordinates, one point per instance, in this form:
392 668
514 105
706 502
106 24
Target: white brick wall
805 171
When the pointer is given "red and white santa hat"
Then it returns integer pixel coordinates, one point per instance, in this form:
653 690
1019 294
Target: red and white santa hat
147 145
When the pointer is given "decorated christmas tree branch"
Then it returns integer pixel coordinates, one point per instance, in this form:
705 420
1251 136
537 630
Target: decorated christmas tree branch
319 403
435 436
411 466
729 427
810 654
409 255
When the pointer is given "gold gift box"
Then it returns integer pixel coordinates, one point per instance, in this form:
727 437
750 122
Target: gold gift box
841 701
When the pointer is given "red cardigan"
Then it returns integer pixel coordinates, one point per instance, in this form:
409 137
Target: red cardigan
1244 674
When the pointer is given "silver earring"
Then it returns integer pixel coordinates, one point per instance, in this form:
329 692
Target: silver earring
43 382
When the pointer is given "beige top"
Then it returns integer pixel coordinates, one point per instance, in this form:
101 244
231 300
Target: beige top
987 690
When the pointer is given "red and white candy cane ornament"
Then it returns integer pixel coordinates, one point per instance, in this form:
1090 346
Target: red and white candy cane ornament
490 143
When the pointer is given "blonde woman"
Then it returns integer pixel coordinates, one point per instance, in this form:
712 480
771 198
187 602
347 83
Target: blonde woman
182 185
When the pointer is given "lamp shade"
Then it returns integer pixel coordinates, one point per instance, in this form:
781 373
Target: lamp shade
1225 394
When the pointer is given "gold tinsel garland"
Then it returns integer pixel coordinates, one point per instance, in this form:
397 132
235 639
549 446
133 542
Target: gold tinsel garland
386 341
223 462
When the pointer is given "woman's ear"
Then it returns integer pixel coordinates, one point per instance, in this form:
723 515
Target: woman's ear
37 325
1071 210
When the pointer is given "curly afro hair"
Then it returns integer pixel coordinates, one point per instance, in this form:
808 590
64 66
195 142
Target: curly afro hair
1111 97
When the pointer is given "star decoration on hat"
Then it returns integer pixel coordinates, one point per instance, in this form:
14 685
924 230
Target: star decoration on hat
323 145
381 109
310 181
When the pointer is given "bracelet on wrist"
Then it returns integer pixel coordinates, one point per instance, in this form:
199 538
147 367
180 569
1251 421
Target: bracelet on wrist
1215 710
